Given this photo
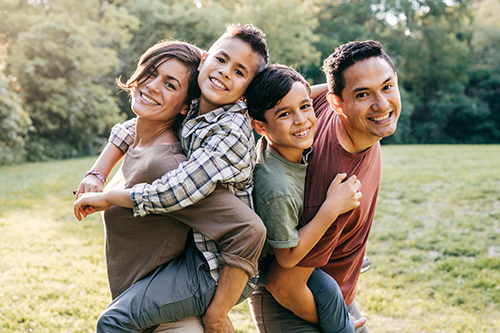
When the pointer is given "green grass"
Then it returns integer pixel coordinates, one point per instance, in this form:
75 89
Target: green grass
434 246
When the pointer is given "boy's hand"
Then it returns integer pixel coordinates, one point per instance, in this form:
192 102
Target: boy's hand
89 203
89 184
217 325
344 195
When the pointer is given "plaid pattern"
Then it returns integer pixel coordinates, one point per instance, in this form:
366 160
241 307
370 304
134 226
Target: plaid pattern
220 148
122 135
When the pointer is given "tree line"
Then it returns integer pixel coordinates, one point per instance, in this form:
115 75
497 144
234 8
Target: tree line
59 61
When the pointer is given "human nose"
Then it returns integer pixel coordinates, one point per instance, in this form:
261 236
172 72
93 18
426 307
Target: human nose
154 84
300 118
224 71
381 102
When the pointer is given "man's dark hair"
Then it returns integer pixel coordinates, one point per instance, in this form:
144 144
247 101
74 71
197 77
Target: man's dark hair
156 55
269 87
347 55
251 35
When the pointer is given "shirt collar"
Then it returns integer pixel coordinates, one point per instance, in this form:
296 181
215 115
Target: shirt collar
239 107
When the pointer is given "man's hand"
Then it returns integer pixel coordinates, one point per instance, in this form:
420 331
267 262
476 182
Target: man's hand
216 324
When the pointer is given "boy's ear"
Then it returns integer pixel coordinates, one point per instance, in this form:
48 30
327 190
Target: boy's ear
258 126
204 56
335 102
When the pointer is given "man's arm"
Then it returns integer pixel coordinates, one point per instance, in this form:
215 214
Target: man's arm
289 288
318 89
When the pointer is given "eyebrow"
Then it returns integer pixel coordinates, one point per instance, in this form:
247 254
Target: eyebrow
366 88
169 77
287 106
240 65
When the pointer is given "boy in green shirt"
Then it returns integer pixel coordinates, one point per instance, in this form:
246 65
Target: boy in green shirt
280 105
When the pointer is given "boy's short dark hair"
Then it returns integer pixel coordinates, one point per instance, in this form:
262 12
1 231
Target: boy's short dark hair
347 55
156 55
249 34
269 87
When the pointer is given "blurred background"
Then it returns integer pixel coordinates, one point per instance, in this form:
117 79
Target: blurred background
59 60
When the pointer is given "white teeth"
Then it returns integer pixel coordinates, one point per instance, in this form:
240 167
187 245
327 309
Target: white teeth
301 133
149 100
381 117
218 84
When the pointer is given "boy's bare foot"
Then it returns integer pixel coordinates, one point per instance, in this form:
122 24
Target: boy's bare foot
359 322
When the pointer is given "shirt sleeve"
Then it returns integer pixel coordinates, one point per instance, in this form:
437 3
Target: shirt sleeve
280 216
226 155
123 135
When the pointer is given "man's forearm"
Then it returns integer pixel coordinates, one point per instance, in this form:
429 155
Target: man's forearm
231 283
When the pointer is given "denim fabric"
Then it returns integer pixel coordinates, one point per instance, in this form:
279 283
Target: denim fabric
180 289
332 311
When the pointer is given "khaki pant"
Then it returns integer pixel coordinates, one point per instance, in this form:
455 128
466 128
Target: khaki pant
186 325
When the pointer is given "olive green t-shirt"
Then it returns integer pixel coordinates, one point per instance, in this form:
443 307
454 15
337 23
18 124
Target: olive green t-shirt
278 196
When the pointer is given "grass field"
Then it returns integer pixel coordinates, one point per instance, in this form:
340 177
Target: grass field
434 246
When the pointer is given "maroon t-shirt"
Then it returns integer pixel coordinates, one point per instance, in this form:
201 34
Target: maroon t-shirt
341 250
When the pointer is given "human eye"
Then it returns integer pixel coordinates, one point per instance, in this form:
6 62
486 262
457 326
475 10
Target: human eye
239 73
283 114
361 95
220 59
388 87
305 106
170 85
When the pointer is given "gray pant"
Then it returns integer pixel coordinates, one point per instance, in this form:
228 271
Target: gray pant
180 289
270 317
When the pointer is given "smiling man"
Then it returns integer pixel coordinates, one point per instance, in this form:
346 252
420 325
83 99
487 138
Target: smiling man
361 107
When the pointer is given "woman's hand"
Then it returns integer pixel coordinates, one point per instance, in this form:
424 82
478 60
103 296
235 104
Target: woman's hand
89 184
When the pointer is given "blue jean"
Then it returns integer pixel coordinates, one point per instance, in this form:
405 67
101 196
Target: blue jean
272 317
179 289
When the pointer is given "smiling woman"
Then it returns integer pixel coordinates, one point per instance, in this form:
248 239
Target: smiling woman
161 90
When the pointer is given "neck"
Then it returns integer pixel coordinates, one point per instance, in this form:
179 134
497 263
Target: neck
351 140
205 106
151 133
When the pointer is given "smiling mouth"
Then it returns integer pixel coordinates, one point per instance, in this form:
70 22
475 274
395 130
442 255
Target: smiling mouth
384 117
149 100
303 133
218 84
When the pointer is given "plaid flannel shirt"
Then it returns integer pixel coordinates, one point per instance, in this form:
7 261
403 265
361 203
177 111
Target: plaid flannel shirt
220 148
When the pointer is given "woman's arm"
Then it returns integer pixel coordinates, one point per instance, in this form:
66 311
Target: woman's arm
109 157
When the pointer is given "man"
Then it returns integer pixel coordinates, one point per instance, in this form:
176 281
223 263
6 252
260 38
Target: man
361 107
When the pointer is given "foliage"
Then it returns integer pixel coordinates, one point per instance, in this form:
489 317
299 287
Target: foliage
14 124
62 74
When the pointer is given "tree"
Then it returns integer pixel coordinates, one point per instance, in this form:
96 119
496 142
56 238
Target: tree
61 61
14 124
